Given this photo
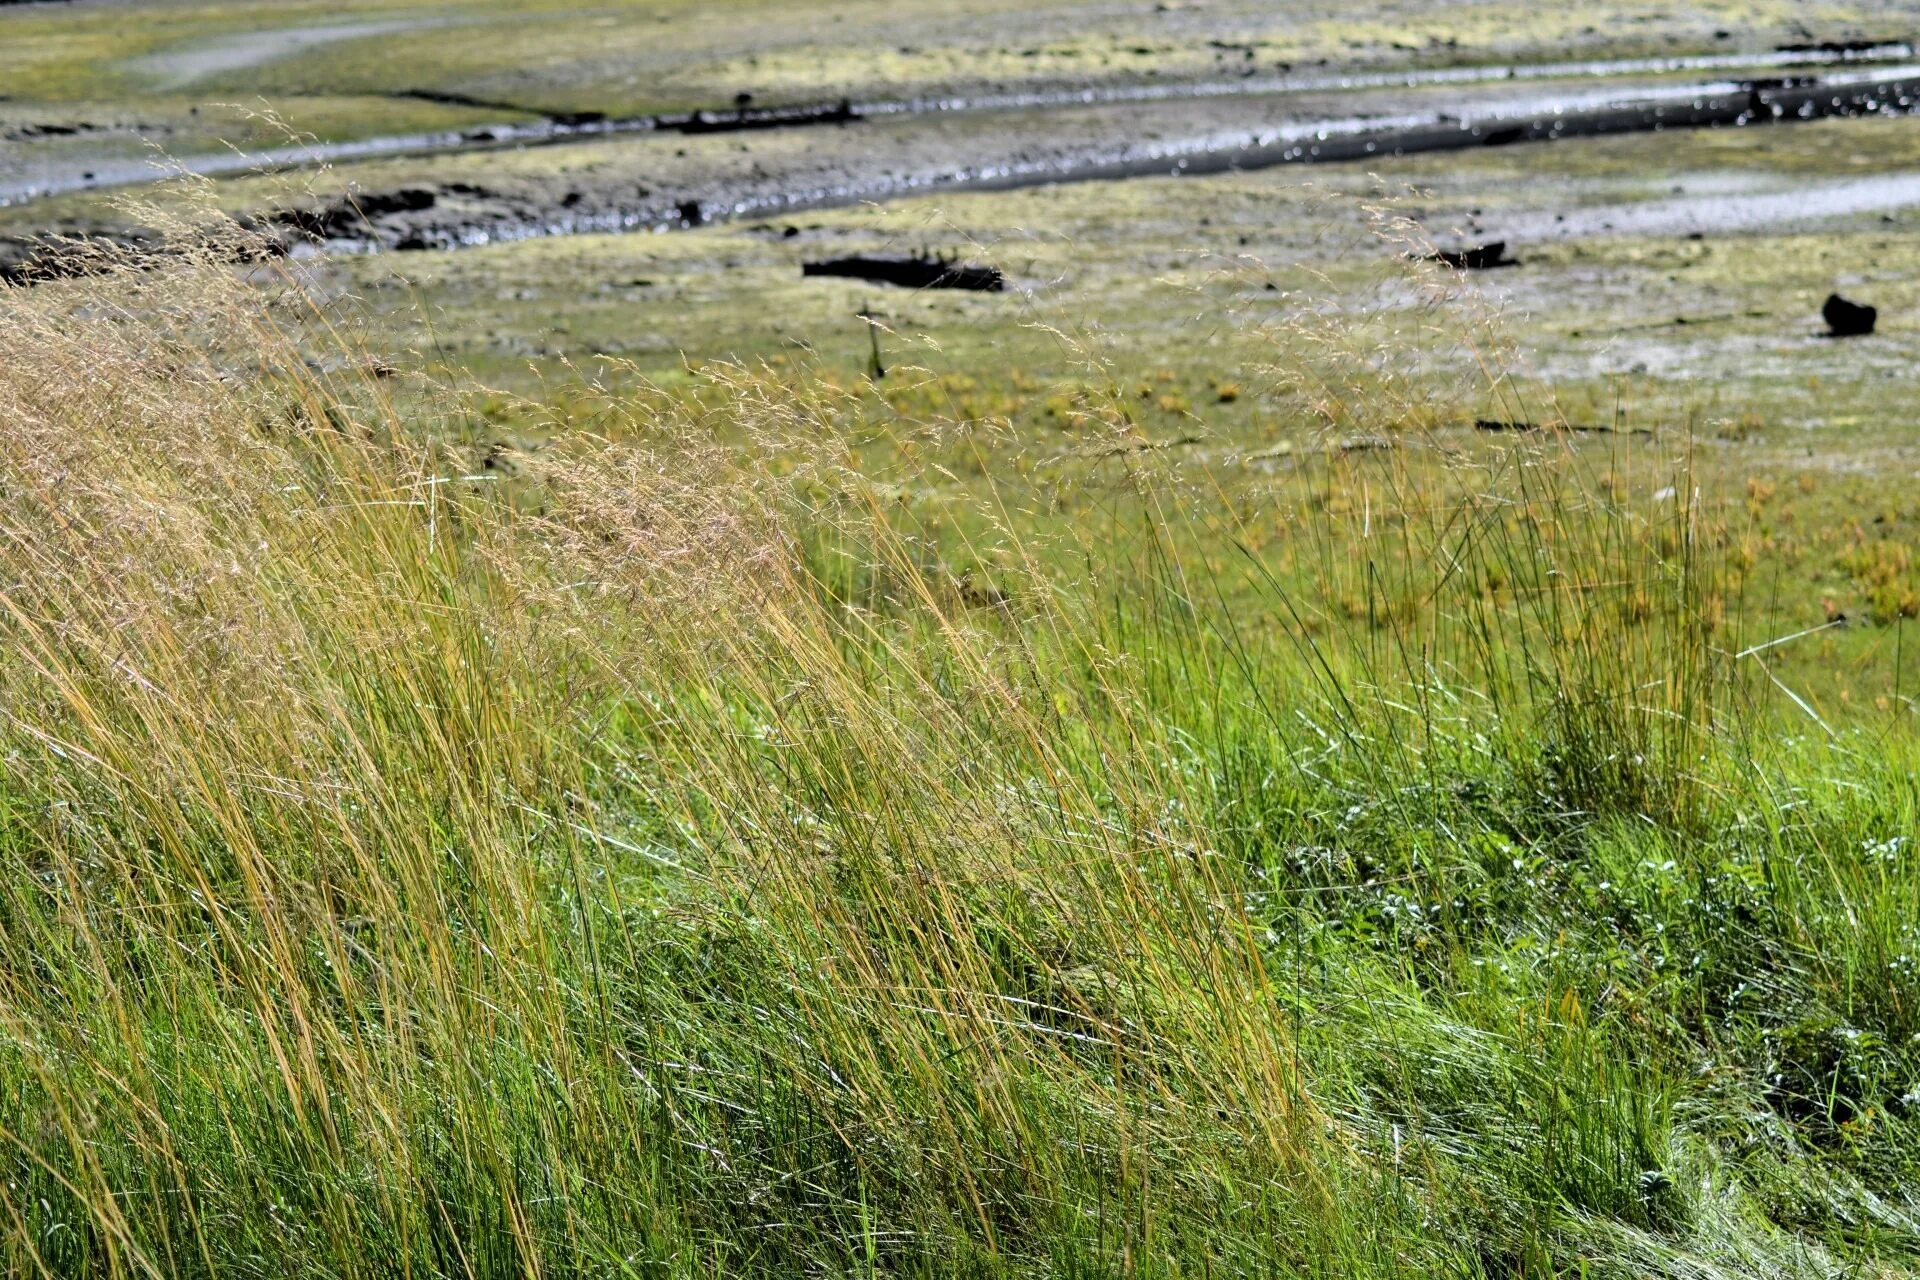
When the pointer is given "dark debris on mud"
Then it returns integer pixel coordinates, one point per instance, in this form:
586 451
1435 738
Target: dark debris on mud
30 260
1848 319
1480 257
614 204
915 272
466 213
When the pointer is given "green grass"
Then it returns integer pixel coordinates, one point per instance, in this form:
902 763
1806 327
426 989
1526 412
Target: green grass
669 852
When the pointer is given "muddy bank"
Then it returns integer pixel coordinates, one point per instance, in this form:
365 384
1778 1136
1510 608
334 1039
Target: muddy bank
746 164
32 261
522 126
1039 148
1809 57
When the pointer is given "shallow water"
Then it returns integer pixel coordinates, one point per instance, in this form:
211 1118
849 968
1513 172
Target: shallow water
22 179
1550 117
1718 210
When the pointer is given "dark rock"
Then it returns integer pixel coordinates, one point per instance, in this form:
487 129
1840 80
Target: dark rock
911 273
405 200
37 259
1479 257
353 216
1848 319
34 259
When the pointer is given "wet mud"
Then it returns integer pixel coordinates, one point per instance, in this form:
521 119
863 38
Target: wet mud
1035 148
25 178
478 186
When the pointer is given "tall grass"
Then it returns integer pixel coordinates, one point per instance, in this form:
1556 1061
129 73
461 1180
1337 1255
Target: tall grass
644 857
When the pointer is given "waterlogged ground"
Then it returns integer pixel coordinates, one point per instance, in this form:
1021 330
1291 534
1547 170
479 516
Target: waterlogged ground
190 77
1260 335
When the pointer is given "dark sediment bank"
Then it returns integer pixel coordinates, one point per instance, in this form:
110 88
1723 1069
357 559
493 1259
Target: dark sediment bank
925 161
1753 104
1699 107
581 127
740 118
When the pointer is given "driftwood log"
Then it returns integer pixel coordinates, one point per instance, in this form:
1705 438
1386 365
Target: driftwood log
1479 257
911 273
